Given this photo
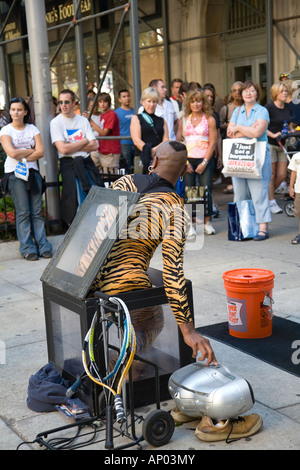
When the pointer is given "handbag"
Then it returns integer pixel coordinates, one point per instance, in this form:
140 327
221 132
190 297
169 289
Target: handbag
195 194
243 158
22 170
241 220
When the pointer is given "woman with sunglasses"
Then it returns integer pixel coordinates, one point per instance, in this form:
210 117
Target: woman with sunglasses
251 120
21 140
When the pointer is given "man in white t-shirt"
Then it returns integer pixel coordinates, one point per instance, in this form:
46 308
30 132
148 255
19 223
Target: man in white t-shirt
74 139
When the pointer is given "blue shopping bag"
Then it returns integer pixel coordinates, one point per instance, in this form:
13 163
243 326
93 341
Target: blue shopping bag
180 187
241 220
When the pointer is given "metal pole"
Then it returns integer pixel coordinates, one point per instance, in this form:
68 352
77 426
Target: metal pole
95 44
166 43
80 57
7 18
113 47
3 65
4 75
270 46
135 54
42 98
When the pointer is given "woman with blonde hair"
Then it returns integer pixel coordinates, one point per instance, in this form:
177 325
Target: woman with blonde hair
147 130
279 111
198 127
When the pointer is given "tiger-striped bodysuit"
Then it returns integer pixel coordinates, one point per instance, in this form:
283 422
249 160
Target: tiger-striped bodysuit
150 224
158 217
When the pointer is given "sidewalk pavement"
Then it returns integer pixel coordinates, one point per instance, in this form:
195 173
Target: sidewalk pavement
277 392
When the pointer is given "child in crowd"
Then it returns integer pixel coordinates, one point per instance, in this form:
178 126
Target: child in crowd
294 166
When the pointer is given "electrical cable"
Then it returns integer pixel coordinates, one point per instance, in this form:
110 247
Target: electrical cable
125 359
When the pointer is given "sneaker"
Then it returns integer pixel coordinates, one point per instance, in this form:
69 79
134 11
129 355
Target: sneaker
192 233
274 207
208 229
216 211
46 254
217 181
31 257
282 188
180 417
229 430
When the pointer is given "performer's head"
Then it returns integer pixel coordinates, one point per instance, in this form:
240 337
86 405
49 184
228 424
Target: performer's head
170 160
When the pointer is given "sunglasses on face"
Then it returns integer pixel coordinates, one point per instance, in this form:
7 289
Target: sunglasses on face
64 102
285 75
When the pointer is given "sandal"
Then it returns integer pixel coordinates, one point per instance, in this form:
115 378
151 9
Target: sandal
296 240
262 235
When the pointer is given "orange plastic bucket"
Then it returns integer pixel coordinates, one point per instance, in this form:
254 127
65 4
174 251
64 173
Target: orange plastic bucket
249 302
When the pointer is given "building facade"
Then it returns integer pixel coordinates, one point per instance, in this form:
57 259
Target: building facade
216 41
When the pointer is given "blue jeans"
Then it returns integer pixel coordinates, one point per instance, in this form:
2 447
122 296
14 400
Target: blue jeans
30 224
205 179
127 151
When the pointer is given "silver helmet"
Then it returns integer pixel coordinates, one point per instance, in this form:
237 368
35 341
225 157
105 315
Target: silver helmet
213 391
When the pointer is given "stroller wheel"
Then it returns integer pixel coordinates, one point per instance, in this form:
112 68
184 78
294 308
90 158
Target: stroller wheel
289 208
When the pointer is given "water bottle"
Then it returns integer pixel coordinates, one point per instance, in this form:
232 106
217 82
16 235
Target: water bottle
285 129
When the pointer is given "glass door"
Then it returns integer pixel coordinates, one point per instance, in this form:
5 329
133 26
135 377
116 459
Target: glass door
254 68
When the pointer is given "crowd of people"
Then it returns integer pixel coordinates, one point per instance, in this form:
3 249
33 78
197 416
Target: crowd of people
170 146
193 114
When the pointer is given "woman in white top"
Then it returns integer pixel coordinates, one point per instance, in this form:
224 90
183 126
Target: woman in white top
21 140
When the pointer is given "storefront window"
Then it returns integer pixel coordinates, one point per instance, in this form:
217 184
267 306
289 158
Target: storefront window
64 69
64 73
152 63
247 16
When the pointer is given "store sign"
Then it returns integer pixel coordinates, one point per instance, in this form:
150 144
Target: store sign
65 11
11 31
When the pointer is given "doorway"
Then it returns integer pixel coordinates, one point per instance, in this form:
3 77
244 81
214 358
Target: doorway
251 68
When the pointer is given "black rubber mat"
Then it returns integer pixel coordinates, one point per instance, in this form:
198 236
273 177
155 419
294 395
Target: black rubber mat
281 349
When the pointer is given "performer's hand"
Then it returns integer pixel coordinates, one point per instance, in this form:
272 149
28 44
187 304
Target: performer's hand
198 343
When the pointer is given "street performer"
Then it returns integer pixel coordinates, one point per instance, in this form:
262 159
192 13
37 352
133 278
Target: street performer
126 266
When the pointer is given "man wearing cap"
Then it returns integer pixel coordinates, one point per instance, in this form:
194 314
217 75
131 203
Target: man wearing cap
285 76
